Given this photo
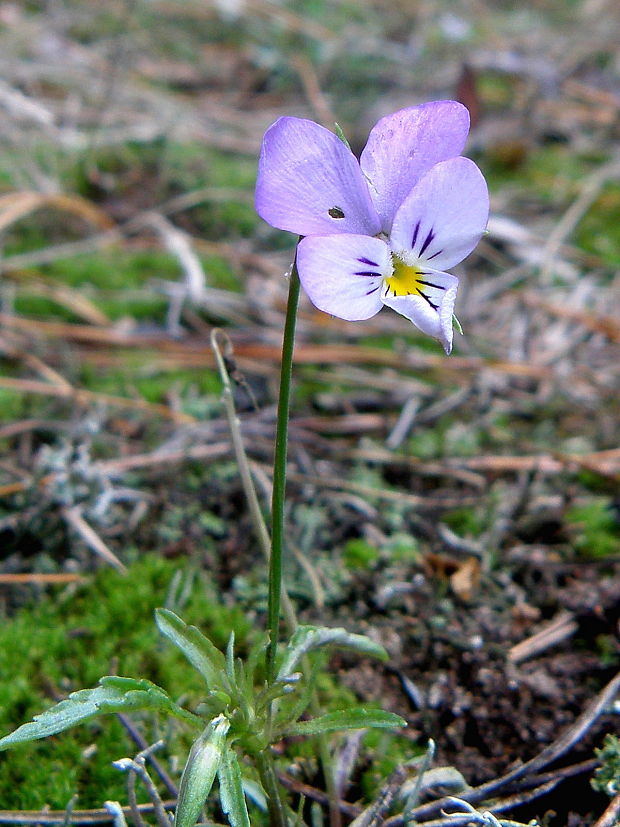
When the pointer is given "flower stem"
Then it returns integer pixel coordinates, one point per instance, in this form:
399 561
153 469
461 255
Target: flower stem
269 781
279 473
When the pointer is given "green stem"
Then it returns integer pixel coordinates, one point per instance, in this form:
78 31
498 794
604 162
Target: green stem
269 781
243 464
279 473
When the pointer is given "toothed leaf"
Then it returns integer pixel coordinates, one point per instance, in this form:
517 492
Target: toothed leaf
114 694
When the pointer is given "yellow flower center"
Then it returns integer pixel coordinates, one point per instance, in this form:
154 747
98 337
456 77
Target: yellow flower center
405 280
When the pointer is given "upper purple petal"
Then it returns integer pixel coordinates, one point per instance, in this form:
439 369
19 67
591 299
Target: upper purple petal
403 146
310 183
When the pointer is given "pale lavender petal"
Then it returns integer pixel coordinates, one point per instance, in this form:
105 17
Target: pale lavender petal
402 147
443 218
343 274
430 307
310 183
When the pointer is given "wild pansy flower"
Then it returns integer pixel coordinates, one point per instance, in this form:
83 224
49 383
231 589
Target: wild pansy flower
384 229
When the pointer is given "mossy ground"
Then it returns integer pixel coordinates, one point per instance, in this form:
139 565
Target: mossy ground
67 642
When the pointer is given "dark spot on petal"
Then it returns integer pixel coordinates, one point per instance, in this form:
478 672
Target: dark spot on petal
336 212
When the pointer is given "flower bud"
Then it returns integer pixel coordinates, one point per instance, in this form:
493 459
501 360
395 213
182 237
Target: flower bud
200 770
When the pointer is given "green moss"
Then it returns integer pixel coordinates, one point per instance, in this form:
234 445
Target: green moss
153 387
599 230
66 643
358 554
467 522
595 527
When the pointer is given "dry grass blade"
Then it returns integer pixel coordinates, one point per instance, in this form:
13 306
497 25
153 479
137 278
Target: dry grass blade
40 578
556 631
74 518
17 205
91 397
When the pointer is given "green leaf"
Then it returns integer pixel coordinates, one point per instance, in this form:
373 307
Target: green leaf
307 638
341 135
230 659
356 718
202 764
200 652
232 797
114 694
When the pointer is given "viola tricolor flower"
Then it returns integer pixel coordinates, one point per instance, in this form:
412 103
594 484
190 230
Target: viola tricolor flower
383 230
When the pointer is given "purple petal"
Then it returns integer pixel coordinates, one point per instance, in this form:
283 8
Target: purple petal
402 147
430 306
441 221
310 183
343 274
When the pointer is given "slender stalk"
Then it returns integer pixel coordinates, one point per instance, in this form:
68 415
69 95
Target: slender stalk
279 473
242 462
269 781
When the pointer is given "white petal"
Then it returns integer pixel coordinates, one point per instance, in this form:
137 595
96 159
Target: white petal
443 218
431 308
343 274
310 183
403 146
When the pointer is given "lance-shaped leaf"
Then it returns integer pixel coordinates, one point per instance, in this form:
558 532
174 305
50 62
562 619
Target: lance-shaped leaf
232 797
114 694
202 765
198 649
356 718
307 638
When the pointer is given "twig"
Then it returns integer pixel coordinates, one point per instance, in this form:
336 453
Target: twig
573 215
312 88
178 243
373 816
383 494
35 577
50 818
73 516
136 767
84 396
559 629
553 751
611 816
141 743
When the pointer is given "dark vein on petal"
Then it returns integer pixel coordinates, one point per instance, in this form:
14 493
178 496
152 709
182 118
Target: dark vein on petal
365 260
427 241
438 253
426 298
430 284
374 290
415 235
366 273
